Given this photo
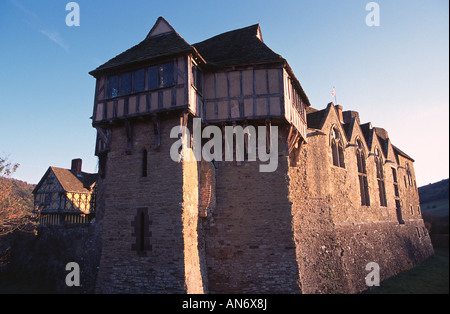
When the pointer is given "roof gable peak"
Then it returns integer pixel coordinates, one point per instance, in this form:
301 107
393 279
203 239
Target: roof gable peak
259 33
161 27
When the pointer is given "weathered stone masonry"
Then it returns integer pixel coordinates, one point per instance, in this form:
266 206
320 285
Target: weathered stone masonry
342 196
338 237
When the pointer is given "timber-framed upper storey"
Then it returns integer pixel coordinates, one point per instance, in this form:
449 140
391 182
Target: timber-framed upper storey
231 77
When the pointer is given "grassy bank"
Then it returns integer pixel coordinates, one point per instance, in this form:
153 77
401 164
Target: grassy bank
430 277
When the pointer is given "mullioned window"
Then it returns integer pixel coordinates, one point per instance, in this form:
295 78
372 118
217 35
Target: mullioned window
337 148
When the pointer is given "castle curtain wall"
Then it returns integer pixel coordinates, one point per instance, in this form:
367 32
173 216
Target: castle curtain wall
338 236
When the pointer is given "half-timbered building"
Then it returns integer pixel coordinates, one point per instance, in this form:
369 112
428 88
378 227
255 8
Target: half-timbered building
65 196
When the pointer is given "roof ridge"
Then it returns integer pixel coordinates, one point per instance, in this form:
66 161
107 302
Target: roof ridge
231 31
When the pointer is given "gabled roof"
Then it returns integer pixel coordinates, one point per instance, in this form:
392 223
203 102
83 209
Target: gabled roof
234 48
69 181
383 139
368 133
401 153
316 119
242 47
152 47
238 47
161 27
349 127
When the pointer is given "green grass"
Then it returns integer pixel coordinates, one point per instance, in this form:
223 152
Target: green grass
439 207
430 277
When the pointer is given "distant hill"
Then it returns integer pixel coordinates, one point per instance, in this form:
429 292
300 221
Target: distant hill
435 191
434 202
23 190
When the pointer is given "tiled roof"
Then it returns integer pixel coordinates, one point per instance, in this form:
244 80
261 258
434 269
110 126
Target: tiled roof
237 47
401 153
368 132
315 119
69 181
234 48
149 49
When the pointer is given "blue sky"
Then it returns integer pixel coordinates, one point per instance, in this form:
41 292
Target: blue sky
395 75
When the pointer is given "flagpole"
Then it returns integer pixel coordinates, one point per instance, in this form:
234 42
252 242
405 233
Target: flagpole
334 95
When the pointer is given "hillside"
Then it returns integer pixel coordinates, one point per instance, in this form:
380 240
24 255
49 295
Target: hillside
435 191
22 190
434 201
16 205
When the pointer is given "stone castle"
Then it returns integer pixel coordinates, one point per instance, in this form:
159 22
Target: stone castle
342 195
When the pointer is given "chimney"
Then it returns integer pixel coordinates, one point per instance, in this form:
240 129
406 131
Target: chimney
76 166
349 115
339 110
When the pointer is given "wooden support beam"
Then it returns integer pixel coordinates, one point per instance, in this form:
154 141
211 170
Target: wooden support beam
291 129
224 141
157 131
103 141
268 133
294 141
184 121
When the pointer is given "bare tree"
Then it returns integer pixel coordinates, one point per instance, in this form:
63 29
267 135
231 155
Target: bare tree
15 214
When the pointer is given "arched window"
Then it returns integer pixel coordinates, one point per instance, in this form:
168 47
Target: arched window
380 177
408 173
337 148
362 174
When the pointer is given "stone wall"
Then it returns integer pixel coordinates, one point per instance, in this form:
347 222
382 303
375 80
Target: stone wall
160 267
337 237
249 236
226 227
39 259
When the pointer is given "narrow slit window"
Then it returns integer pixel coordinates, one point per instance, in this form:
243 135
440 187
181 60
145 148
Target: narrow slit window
102 164
144 163
142 232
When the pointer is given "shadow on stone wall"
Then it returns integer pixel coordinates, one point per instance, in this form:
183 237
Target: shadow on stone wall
40 260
